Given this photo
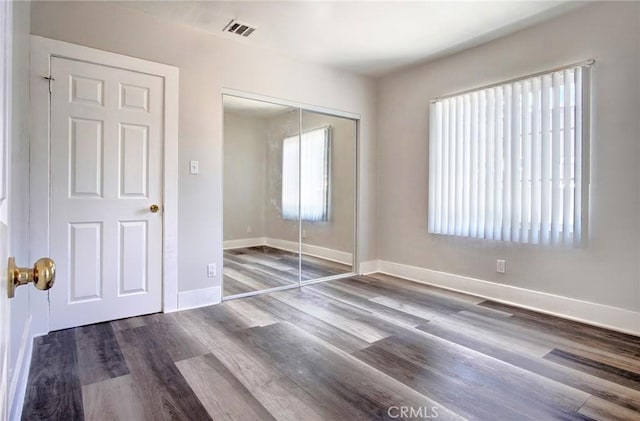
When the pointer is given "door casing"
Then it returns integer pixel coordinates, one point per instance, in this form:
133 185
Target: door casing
42 50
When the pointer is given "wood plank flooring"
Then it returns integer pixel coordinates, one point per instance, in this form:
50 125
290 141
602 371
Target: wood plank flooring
257 268
362 348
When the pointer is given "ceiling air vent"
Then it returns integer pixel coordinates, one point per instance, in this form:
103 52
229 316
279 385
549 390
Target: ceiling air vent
239 28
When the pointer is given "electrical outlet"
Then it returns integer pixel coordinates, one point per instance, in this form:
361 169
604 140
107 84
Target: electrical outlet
501 266
211 270
304 233
249 229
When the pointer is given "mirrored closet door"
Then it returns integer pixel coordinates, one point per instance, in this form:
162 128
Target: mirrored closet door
327 201
289 196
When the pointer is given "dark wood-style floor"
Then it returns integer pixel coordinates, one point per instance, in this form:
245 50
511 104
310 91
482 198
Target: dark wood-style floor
258 268
355 349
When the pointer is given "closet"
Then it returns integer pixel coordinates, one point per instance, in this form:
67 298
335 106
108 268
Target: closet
289 195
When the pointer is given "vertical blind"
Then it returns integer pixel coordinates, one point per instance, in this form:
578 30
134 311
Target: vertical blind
305 176
506 162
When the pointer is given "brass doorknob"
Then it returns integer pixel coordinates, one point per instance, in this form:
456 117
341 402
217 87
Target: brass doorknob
154 208
43 275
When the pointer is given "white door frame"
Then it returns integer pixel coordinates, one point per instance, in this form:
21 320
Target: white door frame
42 50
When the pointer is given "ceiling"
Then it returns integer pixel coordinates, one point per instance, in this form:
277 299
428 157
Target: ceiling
367 37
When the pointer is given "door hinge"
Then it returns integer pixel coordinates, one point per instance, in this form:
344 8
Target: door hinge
51 80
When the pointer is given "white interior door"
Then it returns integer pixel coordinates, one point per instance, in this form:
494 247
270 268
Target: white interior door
106 173
5 133
5 325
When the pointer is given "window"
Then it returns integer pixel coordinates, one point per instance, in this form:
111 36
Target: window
311 164
506 162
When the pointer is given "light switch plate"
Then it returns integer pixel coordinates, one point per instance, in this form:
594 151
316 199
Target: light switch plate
194 167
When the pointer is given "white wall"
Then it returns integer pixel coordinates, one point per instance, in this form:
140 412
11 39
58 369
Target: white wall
604 272
207 65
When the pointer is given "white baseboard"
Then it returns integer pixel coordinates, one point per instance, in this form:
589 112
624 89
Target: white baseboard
199 297
244 242
277 243
311 250
582 311
292 246
18 387
371 266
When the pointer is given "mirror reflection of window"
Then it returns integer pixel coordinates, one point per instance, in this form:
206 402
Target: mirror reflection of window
310 168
